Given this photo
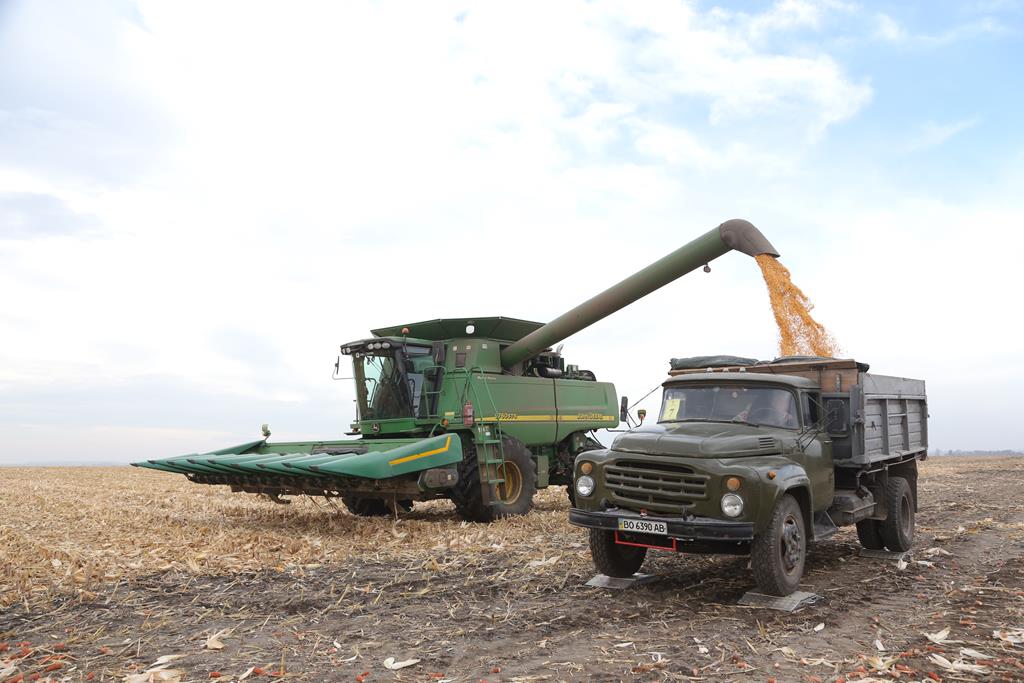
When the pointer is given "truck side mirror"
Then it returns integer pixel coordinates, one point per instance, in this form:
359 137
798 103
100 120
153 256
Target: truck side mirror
641 414
835 417
624 409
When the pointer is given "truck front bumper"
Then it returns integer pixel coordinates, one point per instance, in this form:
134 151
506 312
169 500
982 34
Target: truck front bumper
689 529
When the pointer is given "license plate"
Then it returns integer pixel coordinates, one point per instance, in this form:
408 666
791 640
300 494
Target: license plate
643 526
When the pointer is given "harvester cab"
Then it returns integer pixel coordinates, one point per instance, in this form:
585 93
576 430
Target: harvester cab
482 411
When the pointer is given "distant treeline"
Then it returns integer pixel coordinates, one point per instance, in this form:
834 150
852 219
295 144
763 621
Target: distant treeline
954 451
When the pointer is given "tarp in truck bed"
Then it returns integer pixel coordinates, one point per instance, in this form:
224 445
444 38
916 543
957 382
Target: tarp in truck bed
697 362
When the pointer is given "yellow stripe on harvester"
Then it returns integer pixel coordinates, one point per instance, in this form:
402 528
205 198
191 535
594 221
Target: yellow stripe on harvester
417 456
550 418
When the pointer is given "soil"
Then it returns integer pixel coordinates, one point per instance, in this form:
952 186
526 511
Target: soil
511 604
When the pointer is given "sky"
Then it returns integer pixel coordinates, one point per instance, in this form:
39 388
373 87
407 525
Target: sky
200 201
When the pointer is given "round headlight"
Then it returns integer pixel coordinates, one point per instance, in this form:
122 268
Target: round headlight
732 505
584 485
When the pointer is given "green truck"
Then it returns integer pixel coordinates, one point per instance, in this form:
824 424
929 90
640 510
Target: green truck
758 458
482 411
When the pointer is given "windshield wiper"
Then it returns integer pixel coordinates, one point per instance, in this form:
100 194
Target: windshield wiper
708 419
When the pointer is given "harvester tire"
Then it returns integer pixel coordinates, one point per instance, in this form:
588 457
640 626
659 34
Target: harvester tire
614 559
897 529
373 507
520 473
869 535
778 553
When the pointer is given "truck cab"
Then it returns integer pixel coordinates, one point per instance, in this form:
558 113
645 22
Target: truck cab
742 460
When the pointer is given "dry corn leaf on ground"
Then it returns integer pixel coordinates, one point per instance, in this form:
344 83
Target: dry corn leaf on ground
72 529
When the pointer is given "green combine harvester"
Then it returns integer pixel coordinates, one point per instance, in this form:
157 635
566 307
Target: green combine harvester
478 410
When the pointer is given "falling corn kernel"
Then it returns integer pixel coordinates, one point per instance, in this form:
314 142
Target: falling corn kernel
799 333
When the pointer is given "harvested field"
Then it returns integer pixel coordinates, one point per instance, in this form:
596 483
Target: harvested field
106 570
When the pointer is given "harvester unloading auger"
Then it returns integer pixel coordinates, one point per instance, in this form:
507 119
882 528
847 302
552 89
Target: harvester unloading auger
478 410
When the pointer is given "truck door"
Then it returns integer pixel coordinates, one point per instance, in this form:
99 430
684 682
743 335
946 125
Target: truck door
817 455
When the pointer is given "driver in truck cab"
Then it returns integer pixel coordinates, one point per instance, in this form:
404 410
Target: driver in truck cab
778 409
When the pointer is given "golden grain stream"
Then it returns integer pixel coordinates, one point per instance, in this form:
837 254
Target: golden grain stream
799 333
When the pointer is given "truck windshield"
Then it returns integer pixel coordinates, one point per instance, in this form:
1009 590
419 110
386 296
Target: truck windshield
767 406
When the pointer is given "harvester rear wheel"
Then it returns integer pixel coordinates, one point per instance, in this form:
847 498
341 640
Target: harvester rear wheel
512 497
373 507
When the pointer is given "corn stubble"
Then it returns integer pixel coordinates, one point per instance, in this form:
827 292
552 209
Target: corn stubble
78 530
799 333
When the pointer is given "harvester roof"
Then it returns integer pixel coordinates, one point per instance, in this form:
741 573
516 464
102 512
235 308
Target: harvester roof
498 328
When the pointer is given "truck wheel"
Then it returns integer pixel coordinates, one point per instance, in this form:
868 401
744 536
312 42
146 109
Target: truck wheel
897 529
868 534
512 497
373 507
777 554
612 559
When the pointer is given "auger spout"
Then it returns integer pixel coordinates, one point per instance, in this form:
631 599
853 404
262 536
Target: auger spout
736 234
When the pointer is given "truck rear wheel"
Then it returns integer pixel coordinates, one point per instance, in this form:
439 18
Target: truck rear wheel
897 529
373 507
869 535
777 554
513 496
613 559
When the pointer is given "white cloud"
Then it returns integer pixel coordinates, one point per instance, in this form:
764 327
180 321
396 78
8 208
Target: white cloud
889 29
933 134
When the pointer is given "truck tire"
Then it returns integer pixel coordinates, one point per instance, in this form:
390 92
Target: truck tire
514 496
869 535
372 507
613 559
897 529
777 554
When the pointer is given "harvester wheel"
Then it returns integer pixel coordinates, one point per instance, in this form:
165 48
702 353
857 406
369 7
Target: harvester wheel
373 507
513 496
614 559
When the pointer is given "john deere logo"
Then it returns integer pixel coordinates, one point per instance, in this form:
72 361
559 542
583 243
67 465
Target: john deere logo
376 426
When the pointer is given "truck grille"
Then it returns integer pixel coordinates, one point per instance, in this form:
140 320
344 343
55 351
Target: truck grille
655 486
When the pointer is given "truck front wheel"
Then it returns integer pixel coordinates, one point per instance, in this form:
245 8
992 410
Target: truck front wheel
777 554
897 529
613 559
